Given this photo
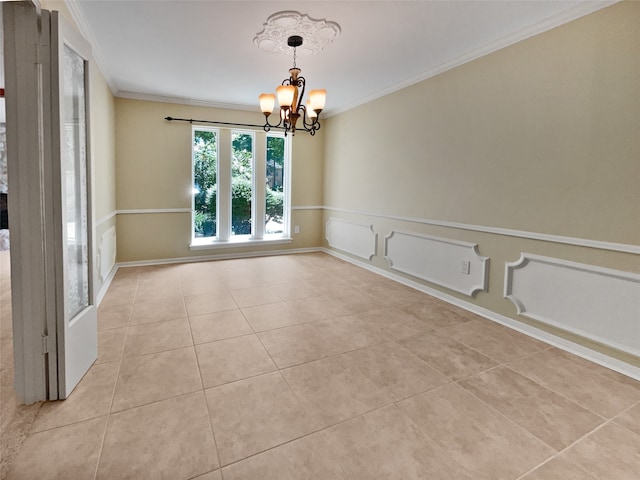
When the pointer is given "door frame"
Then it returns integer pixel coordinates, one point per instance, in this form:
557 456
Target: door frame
25 61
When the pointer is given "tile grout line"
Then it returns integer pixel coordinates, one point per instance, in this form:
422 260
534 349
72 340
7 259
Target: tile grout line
560 394
507 363
204 394
313 432
591 432
300 402
113 393
622 413
571 445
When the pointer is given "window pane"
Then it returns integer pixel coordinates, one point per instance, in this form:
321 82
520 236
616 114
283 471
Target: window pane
205 186
241 182
274 218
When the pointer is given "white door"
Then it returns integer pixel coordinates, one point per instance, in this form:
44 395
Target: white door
77 337
54 316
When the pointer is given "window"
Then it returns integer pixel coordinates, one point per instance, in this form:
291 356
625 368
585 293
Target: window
205 183
227 196
274 208
241 183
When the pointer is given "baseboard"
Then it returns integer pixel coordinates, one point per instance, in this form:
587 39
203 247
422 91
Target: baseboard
221 256
105 285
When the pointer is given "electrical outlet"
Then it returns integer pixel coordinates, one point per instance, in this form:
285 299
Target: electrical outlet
465 266
296 229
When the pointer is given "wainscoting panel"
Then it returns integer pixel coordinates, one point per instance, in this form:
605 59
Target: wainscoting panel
354 238
449 263
598 303
107 252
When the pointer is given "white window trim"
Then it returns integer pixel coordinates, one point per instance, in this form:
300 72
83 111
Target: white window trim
242 241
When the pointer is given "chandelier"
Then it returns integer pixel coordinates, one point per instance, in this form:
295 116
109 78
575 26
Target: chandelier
290 94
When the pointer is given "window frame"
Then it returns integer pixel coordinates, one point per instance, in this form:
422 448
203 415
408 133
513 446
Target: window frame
197 240
224 148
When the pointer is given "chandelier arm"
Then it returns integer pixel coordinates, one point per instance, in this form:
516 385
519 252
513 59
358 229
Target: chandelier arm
268 126
301 83
311 126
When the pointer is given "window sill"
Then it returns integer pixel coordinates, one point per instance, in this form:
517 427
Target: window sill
212 244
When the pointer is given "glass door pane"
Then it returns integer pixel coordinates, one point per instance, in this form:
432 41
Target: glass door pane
74 185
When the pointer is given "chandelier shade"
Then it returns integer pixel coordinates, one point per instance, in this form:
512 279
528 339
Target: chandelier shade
317 99
267 102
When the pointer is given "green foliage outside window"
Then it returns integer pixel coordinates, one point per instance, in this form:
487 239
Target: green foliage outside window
205 182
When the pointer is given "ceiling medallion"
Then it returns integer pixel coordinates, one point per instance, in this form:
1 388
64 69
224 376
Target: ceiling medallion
282 25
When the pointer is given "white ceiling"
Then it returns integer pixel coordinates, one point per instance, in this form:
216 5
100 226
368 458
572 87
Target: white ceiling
203 51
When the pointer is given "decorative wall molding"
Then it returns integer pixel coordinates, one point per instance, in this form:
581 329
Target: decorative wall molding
580 242
308 207
354 238
597 303
106 218
438 260
559 342
107 252
145 211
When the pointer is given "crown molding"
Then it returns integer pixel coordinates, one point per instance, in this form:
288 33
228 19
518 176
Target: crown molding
87 33
186 101
573 13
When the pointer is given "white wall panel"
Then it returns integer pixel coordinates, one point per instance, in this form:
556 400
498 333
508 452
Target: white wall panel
354 238
107 252
438 260
598 303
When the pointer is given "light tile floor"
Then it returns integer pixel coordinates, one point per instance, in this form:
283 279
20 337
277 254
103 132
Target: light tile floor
306 367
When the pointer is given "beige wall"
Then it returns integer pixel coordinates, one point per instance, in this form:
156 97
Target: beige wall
539 137
154 172
103 151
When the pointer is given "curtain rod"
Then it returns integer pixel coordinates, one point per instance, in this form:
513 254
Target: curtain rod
192 120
